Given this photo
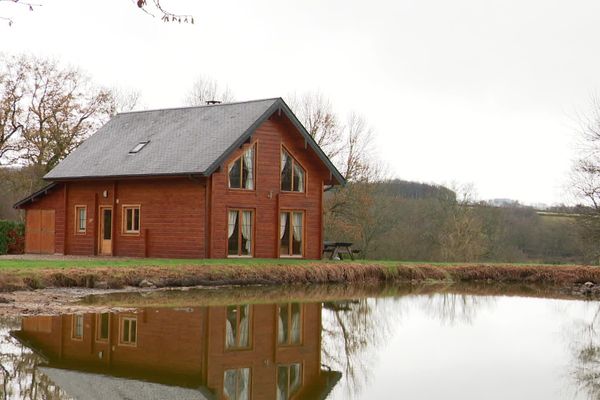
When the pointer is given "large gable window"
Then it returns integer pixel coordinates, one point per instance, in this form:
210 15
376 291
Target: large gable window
292 174
239 231
241 171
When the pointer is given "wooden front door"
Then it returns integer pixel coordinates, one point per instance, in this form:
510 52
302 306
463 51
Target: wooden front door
39 232
106 231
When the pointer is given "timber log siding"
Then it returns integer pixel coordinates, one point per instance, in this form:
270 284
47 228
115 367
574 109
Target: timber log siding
187 216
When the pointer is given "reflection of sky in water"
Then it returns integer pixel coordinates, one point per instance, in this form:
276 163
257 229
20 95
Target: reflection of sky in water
439 346
472 347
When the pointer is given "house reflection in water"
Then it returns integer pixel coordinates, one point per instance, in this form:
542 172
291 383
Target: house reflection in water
227 352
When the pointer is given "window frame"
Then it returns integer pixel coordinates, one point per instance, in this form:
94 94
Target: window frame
78 230
252 232
122 319
74 318
291 232
253 145
289 366
124 229
250 328
99 337
289 323
294 161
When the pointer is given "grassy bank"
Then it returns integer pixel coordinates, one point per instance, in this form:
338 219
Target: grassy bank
18 274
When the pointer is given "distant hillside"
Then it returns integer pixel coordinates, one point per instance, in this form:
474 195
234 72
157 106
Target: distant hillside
416 190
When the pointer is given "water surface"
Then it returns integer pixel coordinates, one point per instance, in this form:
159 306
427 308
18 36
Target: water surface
309 345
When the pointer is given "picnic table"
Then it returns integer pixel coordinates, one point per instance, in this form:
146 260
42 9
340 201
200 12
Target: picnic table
338 249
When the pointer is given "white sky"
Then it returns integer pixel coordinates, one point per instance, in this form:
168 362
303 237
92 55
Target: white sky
472 91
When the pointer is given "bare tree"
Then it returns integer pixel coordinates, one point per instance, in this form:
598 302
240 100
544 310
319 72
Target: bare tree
316 114
11 94
124 100
207 89
52 110
152 8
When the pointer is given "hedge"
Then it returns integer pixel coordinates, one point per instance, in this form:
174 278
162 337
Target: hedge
12 237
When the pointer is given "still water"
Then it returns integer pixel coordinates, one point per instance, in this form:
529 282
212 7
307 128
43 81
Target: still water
433 344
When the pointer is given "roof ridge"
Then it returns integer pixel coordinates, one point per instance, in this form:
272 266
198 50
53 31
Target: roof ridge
202 106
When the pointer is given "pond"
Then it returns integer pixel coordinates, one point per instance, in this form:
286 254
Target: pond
311 343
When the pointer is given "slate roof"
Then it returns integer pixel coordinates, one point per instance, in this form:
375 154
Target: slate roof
182 141
90 386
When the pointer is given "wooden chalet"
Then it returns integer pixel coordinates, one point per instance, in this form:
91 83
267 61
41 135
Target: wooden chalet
226 180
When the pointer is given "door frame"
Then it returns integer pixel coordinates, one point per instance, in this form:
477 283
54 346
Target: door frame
101 228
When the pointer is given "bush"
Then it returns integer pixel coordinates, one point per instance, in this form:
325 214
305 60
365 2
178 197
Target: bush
12 237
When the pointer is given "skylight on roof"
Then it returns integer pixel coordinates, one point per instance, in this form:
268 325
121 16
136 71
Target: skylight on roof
138 147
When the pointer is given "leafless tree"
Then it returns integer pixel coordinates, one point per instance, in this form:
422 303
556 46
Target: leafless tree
207 89
124 100
52 110
153 8
12 78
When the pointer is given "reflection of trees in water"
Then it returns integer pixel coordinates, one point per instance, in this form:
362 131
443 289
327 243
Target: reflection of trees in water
351 332
585 347
452 308
20 378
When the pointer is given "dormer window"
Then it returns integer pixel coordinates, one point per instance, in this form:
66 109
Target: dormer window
241 171
292 174
138 147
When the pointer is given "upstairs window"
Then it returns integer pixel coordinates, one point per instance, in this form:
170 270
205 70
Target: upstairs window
292 174
241 171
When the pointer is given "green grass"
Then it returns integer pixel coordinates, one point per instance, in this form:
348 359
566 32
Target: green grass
34 263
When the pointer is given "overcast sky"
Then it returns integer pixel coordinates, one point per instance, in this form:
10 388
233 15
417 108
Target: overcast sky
471 91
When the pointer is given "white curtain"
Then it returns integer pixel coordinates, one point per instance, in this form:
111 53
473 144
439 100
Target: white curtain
229 173
298 226
284 158
230 338
281 327
232 222
229 384
295 377
244 394
299 172
296 323
244 326
283 224
249 164
247 229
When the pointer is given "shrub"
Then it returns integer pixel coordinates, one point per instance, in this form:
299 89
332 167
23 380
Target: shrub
12 237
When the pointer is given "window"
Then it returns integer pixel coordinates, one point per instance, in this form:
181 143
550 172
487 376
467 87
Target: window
289 380
291 233
128 334
236 384
102 327
289 324
237 327
77 327
138 147
131 219
239 242
292 174
80 219
241 171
